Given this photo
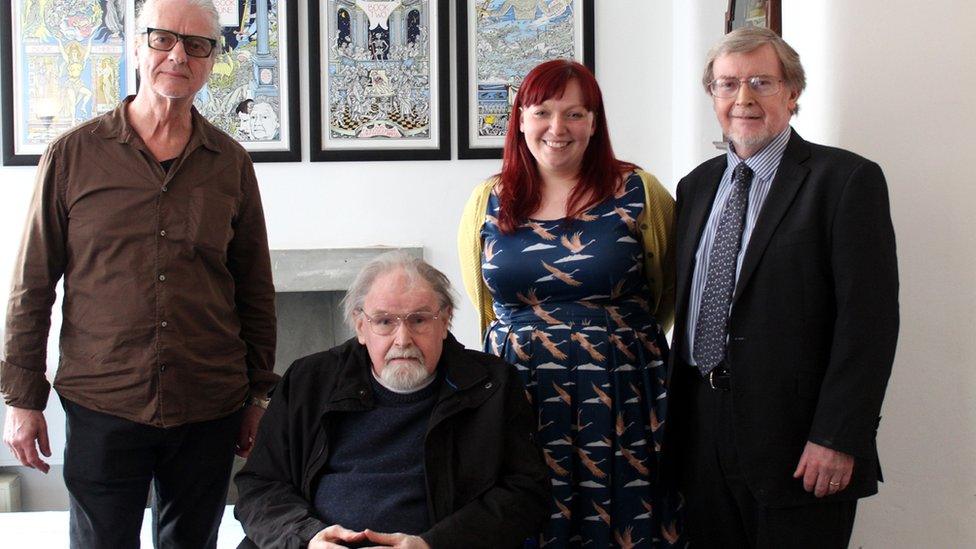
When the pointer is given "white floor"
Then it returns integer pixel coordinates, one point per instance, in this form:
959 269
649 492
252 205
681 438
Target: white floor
49 529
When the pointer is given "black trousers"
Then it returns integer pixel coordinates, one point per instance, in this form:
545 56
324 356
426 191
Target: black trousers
721 510
110 462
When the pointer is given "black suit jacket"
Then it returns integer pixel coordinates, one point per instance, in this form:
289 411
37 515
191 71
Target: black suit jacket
814 318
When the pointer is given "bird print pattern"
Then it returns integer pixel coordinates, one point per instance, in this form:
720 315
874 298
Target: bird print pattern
571 302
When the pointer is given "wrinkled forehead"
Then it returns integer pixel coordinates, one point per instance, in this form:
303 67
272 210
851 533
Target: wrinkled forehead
400 292
761 61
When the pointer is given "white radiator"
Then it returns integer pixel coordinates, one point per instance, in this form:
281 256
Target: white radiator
9 493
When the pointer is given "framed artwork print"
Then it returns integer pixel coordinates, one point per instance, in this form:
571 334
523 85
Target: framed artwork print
498 43
64 62
754 13
378 80
252 93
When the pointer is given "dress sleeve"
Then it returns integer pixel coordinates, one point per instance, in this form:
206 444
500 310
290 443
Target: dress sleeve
657 234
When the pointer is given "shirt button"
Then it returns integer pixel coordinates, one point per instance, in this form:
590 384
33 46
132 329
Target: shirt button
162 368
164 324
162 278
162 232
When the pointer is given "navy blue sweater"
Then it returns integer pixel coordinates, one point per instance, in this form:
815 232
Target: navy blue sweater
374 477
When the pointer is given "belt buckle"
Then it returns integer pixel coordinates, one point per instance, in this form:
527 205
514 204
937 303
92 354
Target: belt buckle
720 370
711 379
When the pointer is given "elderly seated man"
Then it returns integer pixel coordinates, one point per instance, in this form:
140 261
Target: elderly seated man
399 437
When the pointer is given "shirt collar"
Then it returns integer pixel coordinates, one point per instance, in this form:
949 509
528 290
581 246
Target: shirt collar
115 125
765 162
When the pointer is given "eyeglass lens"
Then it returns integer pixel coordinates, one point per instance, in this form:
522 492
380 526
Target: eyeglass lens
195 46
729 87
385 324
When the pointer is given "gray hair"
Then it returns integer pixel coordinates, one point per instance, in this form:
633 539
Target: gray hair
415 269
206 6
747 39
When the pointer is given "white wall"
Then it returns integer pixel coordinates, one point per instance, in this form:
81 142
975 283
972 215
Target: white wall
890 79
894 80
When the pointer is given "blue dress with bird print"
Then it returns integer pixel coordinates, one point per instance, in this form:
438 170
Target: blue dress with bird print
571 307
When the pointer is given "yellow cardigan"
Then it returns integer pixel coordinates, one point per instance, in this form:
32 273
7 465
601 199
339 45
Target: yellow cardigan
656 226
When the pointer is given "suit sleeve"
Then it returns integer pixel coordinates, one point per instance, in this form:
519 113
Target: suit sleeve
865 274
40 264
270 506
516 506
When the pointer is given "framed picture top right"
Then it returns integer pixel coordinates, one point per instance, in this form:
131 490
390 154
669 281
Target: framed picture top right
498 43
754 13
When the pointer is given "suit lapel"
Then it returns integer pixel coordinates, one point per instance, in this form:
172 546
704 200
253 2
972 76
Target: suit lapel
699 205
789 178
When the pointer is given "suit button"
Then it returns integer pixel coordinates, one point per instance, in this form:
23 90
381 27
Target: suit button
488 385
362 393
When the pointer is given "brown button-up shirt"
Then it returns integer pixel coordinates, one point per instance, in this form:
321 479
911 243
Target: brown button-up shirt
168 307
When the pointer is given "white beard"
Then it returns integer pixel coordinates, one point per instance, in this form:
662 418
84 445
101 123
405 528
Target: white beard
404 375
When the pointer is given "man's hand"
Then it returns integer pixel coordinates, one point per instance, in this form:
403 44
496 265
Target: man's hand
249 430
824 471
328 538
24 431
399 541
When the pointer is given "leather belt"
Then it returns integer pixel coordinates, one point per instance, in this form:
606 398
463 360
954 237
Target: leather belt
719 378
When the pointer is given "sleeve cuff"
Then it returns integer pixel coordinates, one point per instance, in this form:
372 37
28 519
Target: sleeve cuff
23 387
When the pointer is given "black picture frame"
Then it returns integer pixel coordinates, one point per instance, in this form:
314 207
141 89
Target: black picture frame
293 153
438 145
762 13
470 147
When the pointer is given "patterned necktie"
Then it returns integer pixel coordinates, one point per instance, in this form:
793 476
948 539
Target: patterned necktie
712 326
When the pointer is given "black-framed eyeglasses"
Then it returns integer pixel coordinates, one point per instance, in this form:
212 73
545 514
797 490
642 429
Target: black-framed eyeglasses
761 85
418 322
165 40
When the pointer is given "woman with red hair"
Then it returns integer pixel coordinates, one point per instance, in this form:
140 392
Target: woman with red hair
567 254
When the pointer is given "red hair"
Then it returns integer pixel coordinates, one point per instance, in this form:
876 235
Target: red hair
521 183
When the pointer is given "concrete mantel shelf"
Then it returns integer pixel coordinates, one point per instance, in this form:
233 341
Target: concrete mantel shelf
324 269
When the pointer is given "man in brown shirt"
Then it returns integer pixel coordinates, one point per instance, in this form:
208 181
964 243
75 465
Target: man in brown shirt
154 220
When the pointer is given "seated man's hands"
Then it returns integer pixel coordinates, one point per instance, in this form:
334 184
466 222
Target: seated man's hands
398 541
335 537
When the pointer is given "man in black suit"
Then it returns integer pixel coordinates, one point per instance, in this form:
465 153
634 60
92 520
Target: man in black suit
787 317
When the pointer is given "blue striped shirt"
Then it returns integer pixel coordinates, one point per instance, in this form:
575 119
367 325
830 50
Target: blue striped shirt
764 165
